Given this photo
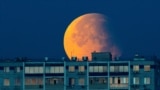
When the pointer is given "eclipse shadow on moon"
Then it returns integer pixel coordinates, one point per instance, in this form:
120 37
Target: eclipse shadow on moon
86 34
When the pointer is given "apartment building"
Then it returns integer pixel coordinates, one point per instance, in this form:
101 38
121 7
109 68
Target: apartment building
101 73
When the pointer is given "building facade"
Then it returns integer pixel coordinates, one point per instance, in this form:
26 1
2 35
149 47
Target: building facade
102 73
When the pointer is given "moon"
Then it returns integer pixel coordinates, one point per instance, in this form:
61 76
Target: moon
86 34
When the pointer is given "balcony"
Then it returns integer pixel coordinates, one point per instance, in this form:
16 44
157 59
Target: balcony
81 73
136 72
135 86
119 86
77 87
55 87
11 88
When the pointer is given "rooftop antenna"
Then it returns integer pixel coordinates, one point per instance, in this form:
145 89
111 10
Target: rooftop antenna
46 59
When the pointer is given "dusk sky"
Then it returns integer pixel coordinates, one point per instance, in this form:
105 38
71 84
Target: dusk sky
35 28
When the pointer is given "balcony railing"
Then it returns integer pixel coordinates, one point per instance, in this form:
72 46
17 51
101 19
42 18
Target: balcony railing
136 72
76 86
115 86
135 86
11 88
81 73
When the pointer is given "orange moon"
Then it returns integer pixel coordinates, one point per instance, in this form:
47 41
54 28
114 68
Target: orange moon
86 34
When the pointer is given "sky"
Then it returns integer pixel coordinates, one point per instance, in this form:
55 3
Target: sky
35 28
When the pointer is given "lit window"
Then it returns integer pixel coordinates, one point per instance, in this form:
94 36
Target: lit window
27 81
125 68
136 80
81 81
6 69
147 80
31 70
17 69
6 82
51 69
35 69
147 68
39 81
111 79
61 69
124 80
41 69
95 68
71 68
33 81
121 69
26 69
56 69
81 68
91 69
136 68
100 69
116 80
111 68
104 68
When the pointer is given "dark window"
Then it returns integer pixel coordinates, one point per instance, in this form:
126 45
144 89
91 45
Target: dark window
119 80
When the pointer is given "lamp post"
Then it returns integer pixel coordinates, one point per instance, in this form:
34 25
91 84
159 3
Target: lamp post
44 76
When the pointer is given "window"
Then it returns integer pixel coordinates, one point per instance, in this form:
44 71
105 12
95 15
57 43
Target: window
71 81
104 68
116 68
48 69
6 82
71 68
136 68
33 81
81 81
136 80
39 81
34 69
124 80
147 68
56 69
116 80
102 80
81 68
91 81
17 82
98 69
125 68
52 69
27 70
121 69
17 69
147 80
111 68
111 80
61 69
91 69
6 69
95 68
